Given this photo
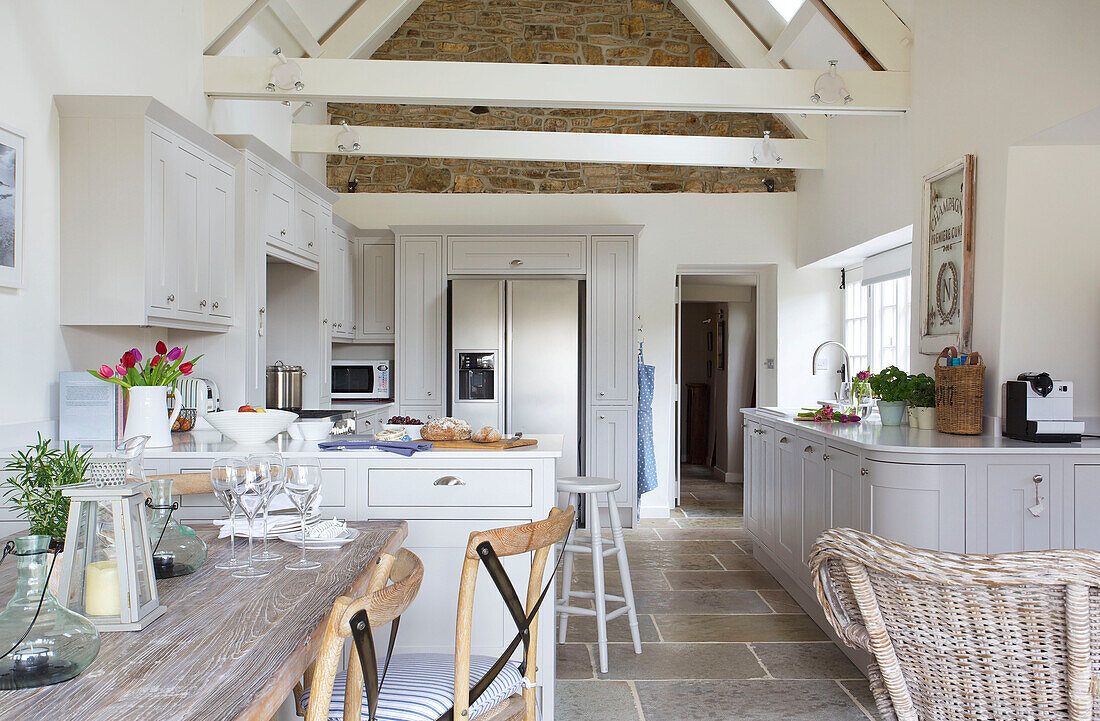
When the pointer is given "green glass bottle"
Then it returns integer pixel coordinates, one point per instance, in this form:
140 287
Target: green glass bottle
59 644
177 549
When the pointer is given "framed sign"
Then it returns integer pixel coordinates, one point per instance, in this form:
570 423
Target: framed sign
11 207
947 258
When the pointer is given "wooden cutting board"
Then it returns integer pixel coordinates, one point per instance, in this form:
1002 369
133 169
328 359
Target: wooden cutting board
502 445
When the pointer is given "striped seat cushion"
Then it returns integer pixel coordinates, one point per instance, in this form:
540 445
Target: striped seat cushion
420 687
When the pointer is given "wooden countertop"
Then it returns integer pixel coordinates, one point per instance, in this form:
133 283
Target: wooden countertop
228 648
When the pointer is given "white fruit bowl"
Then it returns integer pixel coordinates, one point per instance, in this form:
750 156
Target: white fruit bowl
251 428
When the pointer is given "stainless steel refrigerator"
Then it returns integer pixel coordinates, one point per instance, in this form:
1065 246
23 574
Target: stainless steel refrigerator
516 356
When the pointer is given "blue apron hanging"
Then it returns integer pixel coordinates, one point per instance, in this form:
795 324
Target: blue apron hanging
647 461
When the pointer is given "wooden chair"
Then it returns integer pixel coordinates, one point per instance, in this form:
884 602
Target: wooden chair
382 604
427 686
954 637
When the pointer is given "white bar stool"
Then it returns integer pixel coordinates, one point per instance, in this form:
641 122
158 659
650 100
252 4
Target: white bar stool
593 488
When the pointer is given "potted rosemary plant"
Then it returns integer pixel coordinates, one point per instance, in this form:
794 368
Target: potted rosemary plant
36 476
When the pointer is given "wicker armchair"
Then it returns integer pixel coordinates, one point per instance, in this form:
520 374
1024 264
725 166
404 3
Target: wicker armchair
1012 636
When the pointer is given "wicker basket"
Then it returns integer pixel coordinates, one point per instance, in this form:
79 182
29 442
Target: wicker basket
960 394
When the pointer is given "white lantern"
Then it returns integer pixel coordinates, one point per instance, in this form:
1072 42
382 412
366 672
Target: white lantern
107 571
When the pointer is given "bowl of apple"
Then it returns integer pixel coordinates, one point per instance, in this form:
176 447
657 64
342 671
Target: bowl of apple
251 426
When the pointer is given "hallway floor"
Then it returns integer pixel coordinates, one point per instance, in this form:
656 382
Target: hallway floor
720 638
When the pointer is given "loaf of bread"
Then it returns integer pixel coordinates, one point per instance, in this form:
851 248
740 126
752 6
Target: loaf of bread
488 434
446 429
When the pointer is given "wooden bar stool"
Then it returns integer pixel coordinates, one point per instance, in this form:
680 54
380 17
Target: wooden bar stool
593 488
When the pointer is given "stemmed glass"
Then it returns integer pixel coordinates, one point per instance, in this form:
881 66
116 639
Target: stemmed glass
271 466
251 492
224 475
303 480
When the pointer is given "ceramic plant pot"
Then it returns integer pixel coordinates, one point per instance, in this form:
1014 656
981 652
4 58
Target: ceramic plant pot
892 412
923 418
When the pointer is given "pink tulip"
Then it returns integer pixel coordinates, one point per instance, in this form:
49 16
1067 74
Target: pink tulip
175 353
120 370
105 371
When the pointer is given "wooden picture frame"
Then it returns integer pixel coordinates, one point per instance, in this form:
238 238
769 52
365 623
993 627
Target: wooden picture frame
947 258
12 172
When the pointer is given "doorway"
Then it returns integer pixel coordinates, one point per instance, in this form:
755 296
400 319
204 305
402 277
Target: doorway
717 362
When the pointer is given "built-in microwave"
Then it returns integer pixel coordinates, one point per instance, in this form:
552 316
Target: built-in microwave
361 380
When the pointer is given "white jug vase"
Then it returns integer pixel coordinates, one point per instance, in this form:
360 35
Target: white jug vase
147 415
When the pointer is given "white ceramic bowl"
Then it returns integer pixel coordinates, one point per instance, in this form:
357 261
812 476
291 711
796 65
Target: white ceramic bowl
413 432
251 428
315 430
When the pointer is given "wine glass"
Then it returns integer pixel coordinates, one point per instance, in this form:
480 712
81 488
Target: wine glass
303 480
224 475
251 492
270 465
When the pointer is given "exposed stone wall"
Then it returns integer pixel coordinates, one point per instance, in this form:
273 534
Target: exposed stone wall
606 32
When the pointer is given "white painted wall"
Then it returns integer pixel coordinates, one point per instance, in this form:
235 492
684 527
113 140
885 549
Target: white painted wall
123 47
680 230
986 75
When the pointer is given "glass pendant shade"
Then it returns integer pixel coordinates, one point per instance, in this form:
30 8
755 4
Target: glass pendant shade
48 643
177 549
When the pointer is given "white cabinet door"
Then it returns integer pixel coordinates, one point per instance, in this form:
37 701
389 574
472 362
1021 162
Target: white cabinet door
1086 501
751 481
815 497
337 277
615 451
843 482
1019 508
279 211
420 335
348 312
376 290
221 241
612 320
193 232
162 265
788 536
308 226
921 505
255 304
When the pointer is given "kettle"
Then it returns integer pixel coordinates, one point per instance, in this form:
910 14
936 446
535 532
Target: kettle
201 394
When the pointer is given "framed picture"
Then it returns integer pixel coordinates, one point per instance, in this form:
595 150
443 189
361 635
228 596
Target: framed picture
12 170
947 258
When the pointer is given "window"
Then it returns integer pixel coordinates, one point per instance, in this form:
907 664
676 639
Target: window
876 322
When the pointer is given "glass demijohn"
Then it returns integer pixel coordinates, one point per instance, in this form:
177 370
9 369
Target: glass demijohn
177 549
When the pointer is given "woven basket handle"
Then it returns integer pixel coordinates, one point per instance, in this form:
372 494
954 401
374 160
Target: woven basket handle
975 359
948 352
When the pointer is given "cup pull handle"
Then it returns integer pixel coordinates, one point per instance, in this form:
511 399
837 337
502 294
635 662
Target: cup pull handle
449 481
784 439
808 449
516 262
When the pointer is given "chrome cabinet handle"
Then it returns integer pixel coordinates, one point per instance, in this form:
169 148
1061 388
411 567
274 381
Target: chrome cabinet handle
202 303
825 456
808 449
1037 479
864 472
429 393
215 305
325 321
602 393
449 481
784 439
261 329
311 244
516 262
388 328
282 232
171 297
602 417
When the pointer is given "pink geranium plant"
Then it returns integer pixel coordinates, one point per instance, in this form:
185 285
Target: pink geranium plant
163 369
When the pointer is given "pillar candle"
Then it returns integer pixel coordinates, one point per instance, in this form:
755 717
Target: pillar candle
101 594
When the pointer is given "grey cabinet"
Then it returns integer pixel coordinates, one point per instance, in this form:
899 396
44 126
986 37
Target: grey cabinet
761 491
611 320
815 497
921 505
419 338
788 476
1085 504
1020 509
615 451
842 483
375 312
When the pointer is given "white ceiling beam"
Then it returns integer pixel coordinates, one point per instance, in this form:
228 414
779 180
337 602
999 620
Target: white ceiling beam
798 23
878 29
429 82
294 25
364 28
739 46
529 145
223 21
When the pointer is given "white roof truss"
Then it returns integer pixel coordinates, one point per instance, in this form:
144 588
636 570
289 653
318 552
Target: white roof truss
365 26
525 145
790 33
739 46
290 19
877 28
223 21
427 82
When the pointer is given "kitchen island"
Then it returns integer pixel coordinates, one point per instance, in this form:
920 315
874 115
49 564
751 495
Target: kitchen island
443 495
966 494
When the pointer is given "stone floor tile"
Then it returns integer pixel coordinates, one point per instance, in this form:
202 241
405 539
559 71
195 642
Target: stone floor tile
656 523
582 629
779 600
746 701
806 661
862 693
713 580
661 661
595 701
708 512
746 546
738 562
702 534
574 661
714 628
640 534
715 522
700 602
658 561
634 548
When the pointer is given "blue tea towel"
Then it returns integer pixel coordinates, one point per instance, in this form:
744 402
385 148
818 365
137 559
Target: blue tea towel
401 448
647 460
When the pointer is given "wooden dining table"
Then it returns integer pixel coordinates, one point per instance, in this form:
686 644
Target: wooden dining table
227 649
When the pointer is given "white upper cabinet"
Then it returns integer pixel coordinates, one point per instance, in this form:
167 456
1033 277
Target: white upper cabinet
611 320
420 320
376 283
147 216
279 210
310 227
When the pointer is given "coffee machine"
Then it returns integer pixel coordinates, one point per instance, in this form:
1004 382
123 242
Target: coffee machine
1039 409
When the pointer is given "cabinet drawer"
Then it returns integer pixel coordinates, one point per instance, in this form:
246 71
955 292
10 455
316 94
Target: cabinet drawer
427 487
519 255
334 485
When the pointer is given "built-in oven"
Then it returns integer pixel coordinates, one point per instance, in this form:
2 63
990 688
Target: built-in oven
362 380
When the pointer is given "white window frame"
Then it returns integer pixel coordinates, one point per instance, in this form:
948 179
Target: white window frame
864 322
